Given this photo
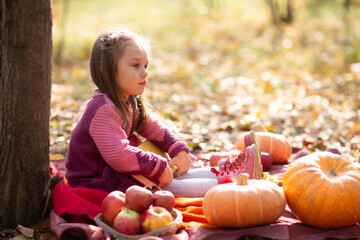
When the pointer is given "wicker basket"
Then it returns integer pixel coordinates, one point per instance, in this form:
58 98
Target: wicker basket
167 230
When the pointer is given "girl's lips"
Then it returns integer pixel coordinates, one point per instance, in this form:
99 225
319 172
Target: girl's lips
142 83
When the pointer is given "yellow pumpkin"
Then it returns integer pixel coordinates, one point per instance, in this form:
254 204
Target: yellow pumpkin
323 190
244 204
276 145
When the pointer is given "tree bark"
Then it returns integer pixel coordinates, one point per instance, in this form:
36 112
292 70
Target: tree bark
25 91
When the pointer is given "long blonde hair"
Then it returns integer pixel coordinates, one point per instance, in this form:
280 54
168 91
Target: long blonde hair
107 50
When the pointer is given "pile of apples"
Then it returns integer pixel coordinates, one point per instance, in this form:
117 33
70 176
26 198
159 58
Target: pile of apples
138 210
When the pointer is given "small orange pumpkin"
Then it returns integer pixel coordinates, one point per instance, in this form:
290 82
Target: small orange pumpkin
276 145
323 190
244 204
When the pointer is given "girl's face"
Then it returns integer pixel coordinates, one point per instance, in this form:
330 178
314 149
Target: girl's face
131 74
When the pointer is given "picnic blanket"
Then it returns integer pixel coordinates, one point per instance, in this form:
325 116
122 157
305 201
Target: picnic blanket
74 209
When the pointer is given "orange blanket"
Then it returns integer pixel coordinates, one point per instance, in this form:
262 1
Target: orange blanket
191 209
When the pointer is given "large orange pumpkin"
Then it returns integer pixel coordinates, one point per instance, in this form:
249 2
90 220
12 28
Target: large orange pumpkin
276 145
244 204
323 190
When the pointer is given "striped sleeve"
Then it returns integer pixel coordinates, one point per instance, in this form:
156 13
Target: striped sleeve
163 137
112 142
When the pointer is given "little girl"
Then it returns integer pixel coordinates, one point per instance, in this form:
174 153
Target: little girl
102 151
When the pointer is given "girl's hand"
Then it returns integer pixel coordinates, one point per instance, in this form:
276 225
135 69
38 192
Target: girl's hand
166 177
182 162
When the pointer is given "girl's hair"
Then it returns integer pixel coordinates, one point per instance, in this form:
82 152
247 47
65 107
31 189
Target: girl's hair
107 50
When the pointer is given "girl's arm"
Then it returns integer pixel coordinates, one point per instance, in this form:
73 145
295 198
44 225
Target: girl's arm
168 142
163 137
182 162
113 145
166 177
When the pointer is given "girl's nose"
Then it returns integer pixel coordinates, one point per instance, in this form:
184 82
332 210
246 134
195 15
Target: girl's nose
144 73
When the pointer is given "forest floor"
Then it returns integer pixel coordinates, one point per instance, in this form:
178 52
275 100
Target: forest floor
216 73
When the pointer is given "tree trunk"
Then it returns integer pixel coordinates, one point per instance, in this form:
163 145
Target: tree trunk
25 90
277 16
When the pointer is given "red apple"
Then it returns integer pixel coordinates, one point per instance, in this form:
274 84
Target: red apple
266 160
216 157
333 150
138 198
164 199
154 218
128 222
111 205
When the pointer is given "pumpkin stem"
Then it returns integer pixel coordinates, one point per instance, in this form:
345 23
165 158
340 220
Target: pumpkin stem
331 173
242 179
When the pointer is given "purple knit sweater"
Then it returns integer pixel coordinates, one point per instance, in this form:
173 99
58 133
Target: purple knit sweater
101 154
